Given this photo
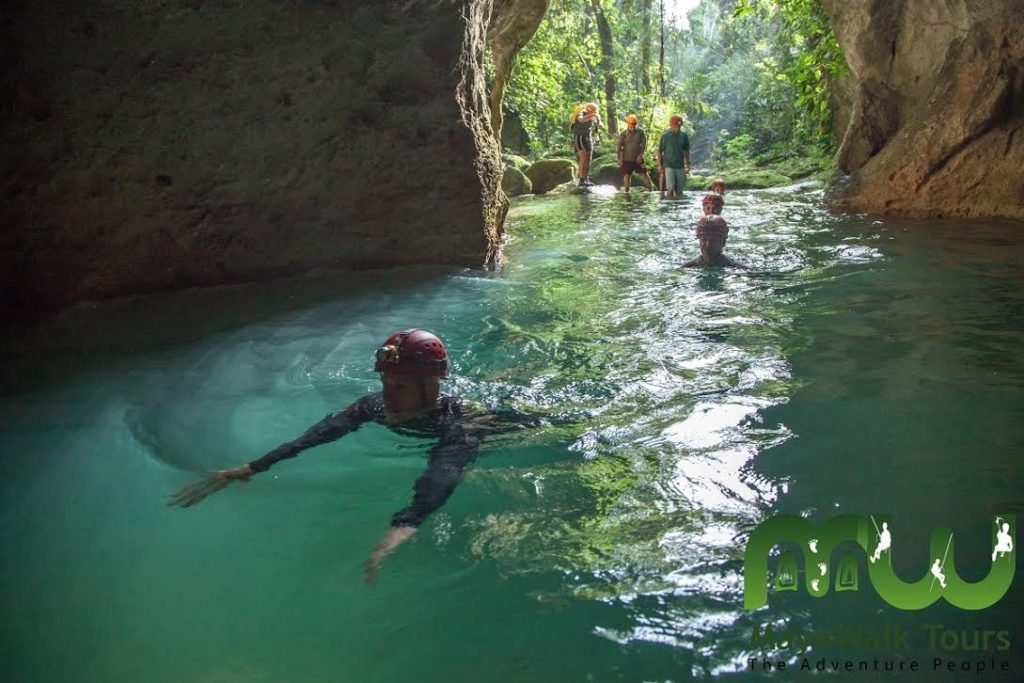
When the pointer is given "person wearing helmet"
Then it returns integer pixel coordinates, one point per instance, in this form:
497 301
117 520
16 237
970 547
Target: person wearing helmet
718 185
630 152
712 232
411 364
586 122
673 158
712 204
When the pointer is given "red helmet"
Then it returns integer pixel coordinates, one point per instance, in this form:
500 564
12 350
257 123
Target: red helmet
715 200
711 226
413 352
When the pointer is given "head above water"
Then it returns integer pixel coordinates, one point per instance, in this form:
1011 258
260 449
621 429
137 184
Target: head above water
712 203
712 232
411 364
718 185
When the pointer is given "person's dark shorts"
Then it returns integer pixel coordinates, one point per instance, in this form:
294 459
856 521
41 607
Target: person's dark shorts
583 142
629 167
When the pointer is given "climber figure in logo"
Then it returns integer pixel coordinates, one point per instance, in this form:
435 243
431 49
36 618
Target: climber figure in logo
937 572
884 541
1004 544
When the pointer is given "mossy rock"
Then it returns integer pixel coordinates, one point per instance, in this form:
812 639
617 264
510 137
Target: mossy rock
514 182
605 171
566 188
755 179
698 183
800 168
547 174
509 160
604 150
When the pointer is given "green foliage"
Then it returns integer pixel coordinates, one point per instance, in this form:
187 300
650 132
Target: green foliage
739 147
750 77
807 53
554 72
562 67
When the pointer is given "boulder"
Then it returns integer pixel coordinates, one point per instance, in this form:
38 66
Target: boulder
936 113
229 142
547 174
514 182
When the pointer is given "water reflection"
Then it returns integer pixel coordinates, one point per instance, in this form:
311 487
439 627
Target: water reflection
697 368
862 366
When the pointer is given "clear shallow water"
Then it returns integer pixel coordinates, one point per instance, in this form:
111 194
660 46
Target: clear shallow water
860 367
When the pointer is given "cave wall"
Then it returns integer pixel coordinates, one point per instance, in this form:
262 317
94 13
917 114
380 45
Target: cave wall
159 144
512 24
937 123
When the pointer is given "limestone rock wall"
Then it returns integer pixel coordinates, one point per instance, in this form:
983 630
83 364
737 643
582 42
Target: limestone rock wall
937 125
156 144
512 24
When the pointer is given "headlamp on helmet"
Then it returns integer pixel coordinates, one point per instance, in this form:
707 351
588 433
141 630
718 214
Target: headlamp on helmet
413 352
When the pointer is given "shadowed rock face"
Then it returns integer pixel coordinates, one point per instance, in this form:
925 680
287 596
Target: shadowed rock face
937 127
154 145
513 23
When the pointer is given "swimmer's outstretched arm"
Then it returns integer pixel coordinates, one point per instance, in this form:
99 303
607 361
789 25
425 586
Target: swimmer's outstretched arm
446 464
331 428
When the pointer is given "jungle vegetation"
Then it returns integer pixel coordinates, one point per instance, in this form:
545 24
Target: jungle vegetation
753 79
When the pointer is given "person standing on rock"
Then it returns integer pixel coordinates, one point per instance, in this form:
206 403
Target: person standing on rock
674 158
630 152
585 123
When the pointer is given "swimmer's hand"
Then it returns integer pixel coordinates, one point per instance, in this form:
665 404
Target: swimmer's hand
215 481
394 538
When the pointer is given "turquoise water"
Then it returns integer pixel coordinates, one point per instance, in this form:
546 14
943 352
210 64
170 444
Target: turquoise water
860 366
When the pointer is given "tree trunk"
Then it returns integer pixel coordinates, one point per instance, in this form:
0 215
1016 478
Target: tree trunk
604 32
661 63
645 49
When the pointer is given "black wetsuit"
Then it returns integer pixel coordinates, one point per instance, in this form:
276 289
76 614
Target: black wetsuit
460 434
720 261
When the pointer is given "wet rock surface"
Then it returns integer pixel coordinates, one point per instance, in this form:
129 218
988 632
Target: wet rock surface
937 127
157 145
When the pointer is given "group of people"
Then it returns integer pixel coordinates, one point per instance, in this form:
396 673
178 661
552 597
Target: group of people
673 165
673 151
